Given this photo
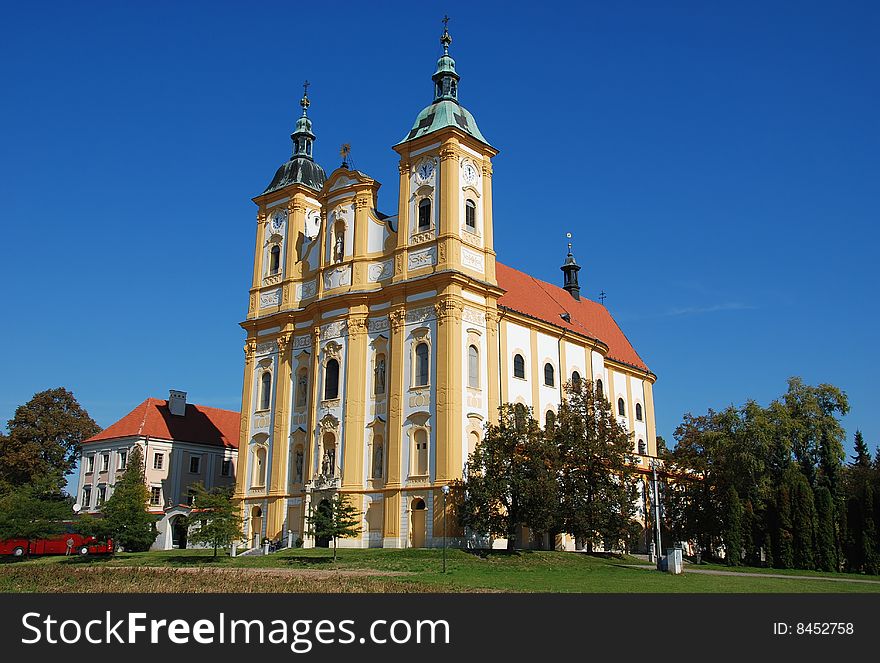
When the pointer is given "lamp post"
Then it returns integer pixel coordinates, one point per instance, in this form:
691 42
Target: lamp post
445 490
656 511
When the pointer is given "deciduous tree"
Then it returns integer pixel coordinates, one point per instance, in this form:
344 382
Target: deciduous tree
215 520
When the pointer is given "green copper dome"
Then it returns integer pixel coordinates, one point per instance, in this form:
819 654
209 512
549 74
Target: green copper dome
445 111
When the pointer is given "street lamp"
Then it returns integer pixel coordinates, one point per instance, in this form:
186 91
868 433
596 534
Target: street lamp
445 490
656 511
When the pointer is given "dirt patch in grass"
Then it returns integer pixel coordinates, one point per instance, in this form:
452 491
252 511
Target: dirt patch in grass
59 579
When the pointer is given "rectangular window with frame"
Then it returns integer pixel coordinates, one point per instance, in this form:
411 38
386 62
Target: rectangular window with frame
155 495
158 461
90 464
226 468
102 495
123 459
105 462
195 464
87 497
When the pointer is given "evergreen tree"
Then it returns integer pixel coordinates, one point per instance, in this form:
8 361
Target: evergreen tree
215 520
597 482
733 535
125 515
870 549
803 521
826 550
862 457
335 518
510 479
781 535
43 440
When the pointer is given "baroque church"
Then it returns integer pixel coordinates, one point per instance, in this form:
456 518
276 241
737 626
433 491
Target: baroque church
378 346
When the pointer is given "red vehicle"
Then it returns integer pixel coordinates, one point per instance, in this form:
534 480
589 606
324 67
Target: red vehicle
69 543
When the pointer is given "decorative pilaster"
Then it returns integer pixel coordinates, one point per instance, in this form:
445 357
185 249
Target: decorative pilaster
280 439
449 390
355 402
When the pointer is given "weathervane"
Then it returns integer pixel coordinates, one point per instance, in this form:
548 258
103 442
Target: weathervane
304 102
445 39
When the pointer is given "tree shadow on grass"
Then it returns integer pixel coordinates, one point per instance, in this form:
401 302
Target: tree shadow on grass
308 561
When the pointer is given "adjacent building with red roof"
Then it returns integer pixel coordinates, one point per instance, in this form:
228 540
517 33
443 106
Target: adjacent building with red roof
182 444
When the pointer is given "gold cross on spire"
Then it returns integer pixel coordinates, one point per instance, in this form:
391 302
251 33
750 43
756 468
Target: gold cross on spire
304 102
344 151
445 39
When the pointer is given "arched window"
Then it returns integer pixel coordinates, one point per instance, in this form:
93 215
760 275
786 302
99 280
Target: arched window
473 441
258 478
549 375
621 407
265 390
599 390
638 411
470 214
422 365
424 214
379 375
420 441
274 259
549 420
576 380
331 380
643 448
473 367
519 367
302 387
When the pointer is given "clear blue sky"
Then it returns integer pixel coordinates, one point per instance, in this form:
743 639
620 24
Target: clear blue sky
717 164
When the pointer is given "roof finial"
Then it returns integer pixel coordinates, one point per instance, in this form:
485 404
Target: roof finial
304 102
344 151
568 235
445 39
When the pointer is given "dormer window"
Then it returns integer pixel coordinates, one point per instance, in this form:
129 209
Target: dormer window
424 214
470 215
274 259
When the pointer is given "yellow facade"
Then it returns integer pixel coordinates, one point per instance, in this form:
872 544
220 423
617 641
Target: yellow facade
360 328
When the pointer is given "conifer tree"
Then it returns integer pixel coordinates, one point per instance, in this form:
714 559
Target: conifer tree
733 535
597 482
215 520
803 521
125 515
862 457
826 550
335 518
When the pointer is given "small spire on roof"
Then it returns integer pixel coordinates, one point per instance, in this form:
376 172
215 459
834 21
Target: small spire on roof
570 268
445 38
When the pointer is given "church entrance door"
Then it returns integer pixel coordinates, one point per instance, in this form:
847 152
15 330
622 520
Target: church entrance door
418 523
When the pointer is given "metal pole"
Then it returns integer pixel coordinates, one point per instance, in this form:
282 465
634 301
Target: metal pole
445 492
657 512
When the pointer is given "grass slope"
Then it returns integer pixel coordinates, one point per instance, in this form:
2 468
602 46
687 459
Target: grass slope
360 571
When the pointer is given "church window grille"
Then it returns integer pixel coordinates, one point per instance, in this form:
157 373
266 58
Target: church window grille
621 407
422 365
274 259
265 390
470 215
549 375
638 411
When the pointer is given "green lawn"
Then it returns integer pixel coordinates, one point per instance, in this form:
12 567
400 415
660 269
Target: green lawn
526 571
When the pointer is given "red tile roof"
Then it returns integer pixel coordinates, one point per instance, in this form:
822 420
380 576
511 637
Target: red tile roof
200 425
538 299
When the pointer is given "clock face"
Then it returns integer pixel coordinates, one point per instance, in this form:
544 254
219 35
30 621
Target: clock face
278 219
470 173
425 171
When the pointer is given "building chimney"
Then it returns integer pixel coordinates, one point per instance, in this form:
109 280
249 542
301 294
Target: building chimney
177 402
